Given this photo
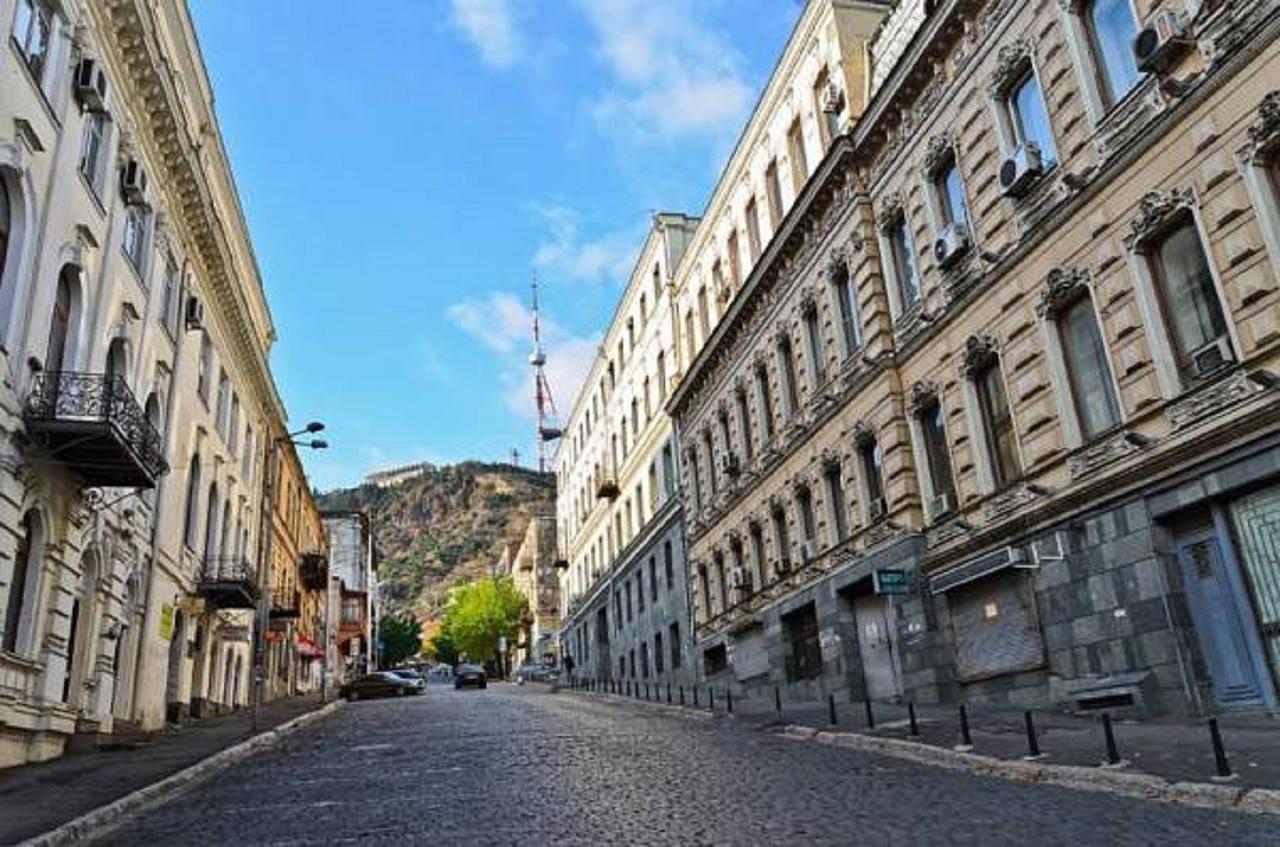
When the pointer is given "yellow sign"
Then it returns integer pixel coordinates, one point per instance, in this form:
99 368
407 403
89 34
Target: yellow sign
166 622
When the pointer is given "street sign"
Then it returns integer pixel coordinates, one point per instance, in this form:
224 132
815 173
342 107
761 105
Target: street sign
890 581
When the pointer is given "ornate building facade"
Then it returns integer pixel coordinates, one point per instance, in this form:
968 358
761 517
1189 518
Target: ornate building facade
135 344
533 572
994 416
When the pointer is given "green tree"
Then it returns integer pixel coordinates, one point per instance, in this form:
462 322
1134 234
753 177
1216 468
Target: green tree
442 649
481 612
401 639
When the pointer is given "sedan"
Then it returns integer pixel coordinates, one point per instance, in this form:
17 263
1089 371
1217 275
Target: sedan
470 676
412 676
380 684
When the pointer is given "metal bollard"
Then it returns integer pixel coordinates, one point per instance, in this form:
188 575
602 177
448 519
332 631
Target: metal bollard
728 699
1113 751
1033 743
831 708
1219 753
695 696
871 716
711 698
911 717
777 699
966 740
668 694
646 691
681 695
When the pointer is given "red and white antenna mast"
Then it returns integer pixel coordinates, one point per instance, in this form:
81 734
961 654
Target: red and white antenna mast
547 430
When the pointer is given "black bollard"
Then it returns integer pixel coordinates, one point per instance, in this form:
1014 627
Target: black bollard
682 695
831 708
711 698
911 717
1033 743
695 696
1219 752
871 716
1113 752
777 699
728 700
668 694
646 691
965 739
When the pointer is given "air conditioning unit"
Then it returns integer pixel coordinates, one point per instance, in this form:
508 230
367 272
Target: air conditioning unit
1021 170
951 244
91 85
940 505
1212 357
195 313
133 183
1160 43
729 464
878 509
738 577
808 551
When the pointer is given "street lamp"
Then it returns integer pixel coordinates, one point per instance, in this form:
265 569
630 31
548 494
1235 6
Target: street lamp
264 544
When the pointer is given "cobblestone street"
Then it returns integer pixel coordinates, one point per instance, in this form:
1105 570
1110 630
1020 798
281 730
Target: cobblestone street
521 765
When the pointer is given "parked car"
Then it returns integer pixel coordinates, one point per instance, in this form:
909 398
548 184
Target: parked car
379 684
413 676
535 672
470 676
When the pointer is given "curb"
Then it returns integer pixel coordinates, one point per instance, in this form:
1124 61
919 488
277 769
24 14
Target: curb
1258 801
95 822
690 712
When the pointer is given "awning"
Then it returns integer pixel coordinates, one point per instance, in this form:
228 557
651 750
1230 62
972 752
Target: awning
984 565
308 650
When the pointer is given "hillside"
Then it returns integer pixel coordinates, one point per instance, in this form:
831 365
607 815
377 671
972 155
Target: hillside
444 527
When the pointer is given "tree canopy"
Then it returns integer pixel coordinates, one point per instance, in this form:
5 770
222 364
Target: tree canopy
401 639
481 612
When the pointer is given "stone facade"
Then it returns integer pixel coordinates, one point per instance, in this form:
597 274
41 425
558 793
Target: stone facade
533 572
951 440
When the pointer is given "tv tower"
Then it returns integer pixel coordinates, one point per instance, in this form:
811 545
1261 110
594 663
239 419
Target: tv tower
547 430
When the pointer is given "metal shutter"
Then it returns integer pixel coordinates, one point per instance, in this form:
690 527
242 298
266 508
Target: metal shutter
994 623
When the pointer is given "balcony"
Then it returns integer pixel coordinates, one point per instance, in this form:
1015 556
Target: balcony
285 604
228 582
313 571
93 424
607 489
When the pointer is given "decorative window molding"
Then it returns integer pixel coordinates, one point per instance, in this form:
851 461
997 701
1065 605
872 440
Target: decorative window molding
1061 288
979 352
939 149
1264 134
1155 210
862 434
1258 160
924 395
1012 61
891 211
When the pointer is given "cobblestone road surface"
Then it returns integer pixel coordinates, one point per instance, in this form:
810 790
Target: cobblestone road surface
524 766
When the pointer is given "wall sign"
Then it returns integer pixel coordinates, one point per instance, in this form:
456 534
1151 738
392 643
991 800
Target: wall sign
890 581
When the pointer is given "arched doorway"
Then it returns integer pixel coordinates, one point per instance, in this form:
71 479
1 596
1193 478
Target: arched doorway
173 679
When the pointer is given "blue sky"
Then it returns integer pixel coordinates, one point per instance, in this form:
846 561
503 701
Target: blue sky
404 172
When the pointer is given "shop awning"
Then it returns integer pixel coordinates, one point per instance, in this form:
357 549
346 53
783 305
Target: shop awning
308 650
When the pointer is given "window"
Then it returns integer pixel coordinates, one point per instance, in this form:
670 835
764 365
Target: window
835 499
1188 300
134 234
949 189
639 590
674 640
781 536
662 377
752 215
787 374
804 505
635 419
669 564
6 226
1030 118
233 425
773 193
757 550
722 421
709 448
617 607
93 150
762 397
352 610
191 515
850 326
799 163
722 581
715 659
691 460
1111 27
644 659
60 323
169 303
668 470
828 119
246 459
744 423
902 251
997 425
222 403
735 269
704 592
872 463
657 285
933 432
31 28
657 653
1087 371
653 579
203 375
23 585
813 340
627 590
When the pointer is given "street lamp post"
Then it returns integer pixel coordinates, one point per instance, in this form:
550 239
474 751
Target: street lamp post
271 484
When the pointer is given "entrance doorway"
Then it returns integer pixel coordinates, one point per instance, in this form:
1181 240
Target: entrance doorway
877 646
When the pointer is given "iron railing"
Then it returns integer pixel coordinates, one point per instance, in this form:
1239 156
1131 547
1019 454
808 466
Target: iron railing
313 571
228 569
285 602
74 396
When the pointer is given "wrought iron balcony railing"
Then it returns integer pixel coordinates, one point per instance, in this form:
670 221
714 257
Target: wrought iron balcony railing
93 424
313 571
285 603
228 582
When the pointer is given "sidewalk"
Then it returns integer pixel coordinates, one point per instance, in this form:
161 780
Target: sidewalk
37 798
1178 750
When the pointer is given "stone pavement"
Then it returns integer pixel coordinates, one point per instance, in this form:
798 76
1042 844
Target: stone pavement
1176 749
37 798
522 765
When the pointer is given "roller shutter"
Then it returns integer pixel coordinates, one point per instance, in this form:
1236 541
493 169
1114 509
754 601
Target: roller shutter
995 626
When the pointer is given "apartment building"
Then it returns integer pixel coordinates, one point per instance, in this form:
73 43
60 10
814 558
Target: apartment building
135 338
993 418
622 583
533 572
352 622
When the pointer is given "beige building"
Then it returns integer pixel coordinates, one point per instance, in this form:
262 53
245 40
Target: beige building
994 416
135 337
533 572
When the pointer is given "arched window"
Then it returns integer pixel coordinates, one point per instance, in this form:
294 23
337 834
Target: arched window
60 323
23 587
6 226
192 517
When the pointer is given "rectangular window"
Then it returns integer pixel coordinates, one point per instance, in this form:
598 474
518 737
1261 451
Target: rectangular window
1188 299
872 464
827 129
997 426
753 230
668 470
639 590
657 653
905 276
169 304
204 375
937 458
799 163
674 640
669 564
773 193
704 314
850 326
766 412
757 550
718 284
644 661
781 537
93 150
949 189
1111 27
735 269
787 373
817 357
835 499
1030 118
808 526
662 377
744 423
134 234
617 608
709 449
653 579
1087 370
32 26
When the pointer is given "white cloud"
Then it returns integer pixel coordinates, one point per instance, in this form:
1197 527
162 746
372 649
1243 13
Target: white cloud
673 76
490 27
499 321
566 254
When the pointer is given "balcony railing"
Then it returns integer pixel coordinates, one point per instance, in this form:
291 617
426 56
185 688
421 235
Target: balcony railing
313 571
228 582
93 424
285 603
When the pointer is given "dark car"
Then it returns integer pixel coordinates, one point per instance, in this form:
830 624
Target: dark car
379 684
470 676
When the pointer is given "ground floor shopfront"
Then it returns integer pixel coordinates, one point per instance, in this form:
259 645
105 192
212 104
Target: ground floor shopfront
1163 601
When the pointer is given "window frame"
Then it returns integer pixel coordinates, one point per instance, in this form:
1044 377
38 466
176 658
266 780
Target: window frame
897 241
1064 370
991 374
933 455
37 67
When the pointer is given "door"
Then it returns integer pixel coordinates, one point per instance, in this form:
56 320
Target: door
1220 628
877 646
